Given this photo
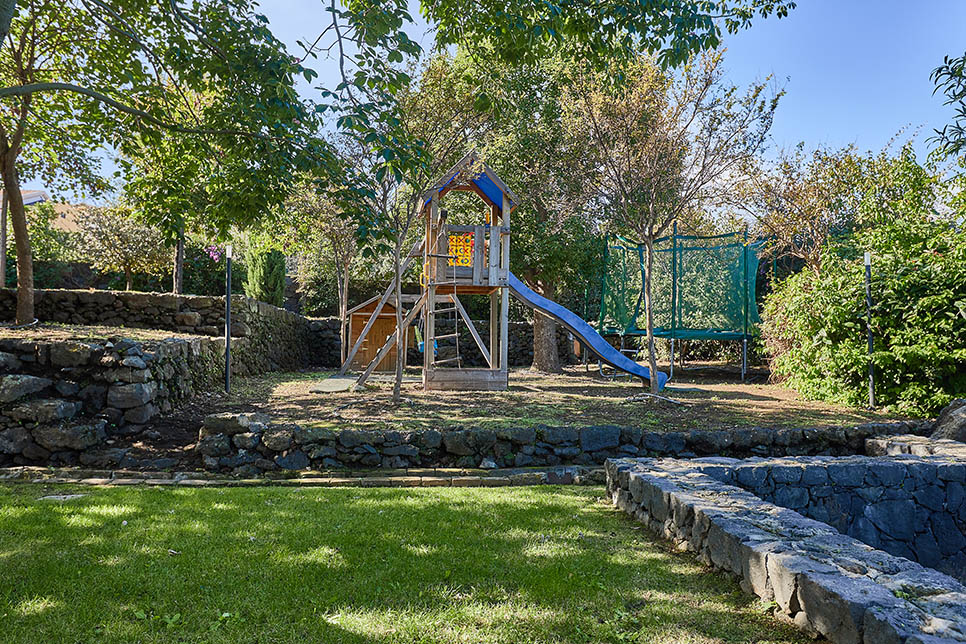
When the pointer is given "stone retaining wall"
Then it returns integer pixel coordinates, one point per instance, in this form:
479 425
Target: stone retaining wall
916 445
906 506
825 582
247 444
60 400
277 339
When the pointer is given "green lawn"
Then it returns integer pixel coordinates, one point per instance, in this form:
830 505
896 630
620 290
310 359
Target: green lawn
273 565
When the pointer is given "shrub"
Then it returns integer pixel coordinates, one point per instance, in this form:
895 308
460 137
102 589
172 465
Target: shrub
815 330
266 276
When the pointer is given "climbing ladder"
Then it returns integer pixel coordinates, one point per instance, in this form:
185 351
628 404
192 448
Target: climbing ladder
448 308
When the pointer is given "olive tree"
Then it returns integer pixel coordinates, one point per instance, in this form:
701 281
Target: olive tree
664 145
113 240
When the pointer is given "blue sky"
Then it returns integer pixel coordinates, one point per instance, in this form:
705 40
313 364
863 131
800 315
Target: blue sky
855 71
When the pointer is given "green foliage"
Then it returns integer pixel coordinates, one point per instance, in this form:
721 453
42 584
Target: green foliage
815 326
950 79
114 241
204 269
266 276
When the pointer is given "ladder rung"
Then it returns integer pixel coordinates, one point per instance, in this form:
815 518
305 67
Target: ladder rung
447 335
445 360
447 310
442 255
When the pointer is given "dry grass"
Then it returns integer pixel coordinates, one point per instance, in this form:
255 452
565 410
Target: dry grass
576 397
51 331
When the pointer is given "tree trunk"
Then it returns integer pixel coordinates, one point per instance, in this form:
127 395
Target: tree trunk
18 215
128 279
344 310
649 313
545 354
177 278
400 333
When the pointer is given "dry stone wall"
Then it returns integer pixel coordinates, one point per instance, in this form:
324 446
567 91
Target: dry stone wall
825 582
61 401
276 338
245 445
908 506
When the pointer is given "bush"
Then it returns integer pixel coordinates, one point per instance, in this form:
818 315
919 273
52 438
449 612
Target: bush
204 269
815 331
266 276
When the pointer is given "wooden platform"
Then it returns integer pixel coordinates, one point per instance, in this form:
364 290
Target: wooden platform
465 379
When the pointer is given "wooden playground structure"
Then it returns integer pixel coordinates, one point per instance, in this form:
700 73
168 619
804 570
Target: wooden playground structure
457 260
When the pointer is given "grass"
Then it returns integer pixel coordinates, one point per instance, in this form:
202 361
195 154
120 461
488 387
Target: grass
279 565
573 398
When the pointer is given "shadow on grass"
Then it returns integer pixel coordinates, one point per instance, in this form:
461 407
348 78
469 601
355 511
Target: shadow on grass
293 565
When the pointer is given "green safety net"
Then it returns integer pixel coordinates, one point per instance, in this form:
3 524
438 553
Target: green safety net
703 288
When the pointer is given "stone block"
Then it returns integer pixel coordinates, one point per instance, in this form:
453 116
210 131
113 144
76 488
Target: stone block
292 460
14 440
69 436
131 395
277 438
556 435
141 415
16 386
45 410
70 354
594 439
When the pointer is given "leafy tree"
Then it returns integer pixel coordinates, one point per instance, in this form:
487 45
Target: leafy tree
950 79
663 146
801 201
319 229
78 75
438 111
909 217
555 229
114 241
266 275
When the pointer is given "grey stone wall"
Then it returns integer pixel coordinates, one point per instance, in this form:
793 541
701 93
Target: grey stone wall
60 400
277 339
909 507
825 582
303 447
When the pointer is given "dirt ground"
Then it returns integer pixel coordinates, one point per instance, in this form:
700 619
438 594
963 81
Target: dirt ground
50 331
708 398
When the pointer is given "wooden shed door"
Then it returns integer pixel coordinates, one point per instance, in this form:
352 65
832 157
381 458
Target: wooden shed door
374 340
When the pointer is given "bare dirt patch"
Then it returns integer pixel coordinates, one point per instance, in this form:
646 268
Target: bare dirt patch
576 397
52 332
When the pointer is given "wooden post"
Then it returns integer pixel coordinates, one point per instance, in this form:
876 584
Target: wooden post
494 255
504 288
429 266
494 330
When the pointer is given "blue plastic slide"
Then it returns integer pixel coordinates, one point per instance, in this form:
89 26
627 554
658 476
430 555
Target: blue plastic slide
583 331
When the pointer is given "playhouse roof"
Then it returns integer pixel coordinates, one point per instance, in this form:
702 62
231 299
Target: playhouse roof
482 180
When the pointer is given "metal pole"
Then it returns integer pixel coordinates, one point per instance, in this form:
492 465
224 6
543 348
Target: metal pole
744 286
674 288
228 318
868 324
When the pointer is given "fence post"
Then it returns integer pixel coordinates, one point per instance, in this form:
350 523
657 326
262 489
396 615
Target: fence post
868 325
227 318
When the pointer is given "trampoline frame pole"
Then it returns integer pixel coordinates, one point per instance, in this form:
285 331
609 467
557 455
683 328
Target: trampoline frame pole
744 287
868 325
674 288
